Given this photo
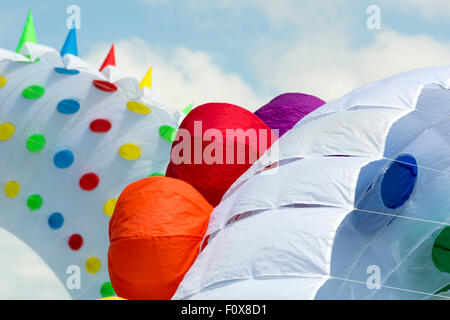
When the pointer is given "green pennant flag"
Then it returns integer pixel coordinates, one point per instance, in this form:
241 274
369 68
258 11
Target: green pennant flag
28 34
188 109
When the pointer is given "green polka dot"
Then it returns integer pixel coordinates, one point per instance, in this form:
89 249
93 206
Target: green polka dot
36 143
168 133
34 202
156 174
444 289
33 92
107 290
441 251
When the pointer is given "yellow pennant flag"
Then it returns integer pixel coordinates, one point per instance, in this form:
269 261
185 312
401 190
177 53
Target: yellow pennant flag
147 81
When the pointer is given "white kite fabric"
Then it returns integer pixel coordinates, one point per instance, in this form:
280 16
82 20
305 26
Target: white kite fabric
358 206
71 139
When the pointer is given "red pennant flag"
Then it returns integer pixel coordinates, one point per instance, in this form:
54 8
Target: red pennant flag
110 59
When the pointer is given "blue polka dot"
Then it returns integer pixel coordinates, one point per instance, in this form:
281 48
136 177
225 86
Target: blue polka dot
56 220
399 181
63 159
68 106
66 71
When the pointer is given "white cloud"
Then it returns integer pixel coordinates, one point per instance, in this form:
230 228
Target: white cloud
319 56
24 275
180 76
327 66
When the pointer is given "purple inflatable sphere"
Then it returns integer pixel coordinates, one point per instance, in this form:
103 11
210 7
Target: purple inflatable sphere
286 110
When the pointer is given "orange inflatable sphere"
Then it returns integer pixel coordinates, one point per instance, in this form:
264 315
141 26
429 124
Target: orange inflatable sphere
155 235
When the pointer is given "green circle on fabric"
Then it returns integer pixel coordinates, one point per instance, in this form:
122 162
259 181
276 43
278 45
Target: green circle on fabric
168 133
156 174
107 290
441 251
35 143
35 202
33 92
444 289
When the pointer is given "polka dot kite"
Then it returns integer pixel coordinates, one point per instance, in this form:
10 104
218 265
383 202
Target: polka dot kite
50 138
352 190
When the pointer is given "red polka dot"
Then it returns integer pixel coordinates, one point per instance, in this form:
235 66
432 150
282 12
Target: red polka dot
89 181
100 126
75 241
104 85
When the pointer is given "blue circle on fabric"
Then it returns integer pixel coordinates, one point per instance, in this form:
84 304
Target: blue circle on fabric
56 220
63 159
66 71
399 181
68 106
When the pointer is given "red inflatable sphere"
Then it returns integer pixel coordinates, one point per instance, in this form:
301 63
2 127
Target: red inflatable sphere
215 144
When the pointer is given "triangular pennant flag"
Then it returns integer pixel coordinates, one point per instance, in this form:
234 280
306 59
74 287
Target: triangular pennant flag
70 45
110 59
28 33
188 109
147 81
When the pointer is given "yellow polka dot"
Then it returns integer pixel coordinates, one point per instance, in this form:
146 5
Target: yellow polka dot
12 189
3 81
138 107
93 265
109 207
130 151
6 131
112 298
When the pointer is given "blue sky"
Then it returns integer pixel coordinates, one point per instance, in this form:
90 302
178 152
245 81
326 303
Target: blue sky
253 40
240 51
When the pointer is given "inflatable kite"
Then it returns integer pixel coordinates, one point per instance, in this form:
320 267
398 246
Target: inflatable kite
358 206
155 233
215 145
282 113
71 139
352 202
